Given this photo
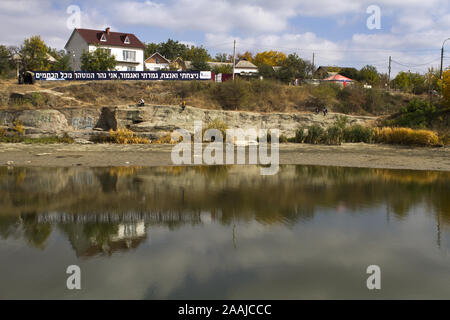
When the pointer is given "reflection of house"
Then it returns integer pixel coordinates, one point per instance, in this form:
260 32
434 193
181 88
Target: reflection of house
126 47
89 240
157 62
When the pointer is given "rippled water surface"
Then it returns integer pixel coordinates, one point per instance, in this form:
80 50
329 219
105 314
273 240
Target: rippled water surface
224 232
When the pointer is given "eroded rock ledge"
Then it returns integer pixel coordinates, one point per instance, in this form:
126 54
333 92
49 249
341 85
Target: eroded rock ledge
153 121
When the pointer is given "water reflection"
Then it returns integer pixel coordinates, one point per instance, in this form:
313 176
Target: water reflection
105 212
111 208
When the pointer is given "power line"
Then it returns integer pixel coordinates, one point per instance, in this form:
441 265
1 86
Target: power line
415 66
253 45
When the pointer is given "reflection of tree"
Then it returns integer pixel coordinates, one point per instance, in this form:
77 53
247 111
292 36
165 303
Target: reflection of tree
100 233
107 180
34 232
213 172
176 196
9 226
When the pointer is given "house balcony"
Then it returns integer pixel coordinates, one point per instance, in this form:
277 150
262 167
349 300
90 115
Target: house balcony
128 62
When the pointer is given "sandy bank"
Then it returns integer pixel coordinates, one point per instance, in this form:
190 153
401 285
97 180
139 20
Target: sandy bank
347 155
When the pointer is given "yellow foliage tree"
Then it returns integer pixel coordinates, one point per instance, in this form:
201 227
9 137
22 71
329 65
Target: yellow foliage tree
272 58
446 87
246 55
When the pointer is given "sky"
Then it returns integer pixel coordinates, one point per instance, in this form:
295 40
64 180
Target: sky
336 31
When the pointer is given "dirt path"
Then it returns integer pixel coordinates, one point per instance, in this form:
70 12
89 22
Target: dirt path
347 155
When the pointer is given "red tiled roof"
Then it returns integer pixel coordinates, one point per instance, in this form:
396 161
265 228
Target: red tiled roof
338 77
112 39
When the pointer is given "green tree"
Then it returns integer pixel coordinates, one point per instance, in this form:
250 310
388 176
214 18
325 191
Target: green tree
63 60
172 49
6 65
227 69
411 82
200 65
294 67
33 54
402 81
351 73
98 60
150 49
266 71
222 57
194 53
369 75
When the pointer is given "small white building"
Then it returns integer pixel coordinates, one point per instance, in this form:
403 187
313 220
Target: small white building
157 62
126 47
245 68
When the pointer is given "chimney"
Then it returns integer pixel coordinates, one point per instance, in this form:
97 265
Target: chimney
107 30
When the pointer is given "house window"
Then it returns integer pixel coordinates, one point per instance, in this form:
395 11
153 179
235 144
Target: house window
103 38
129 55
108 51
156 60
131 68
127 40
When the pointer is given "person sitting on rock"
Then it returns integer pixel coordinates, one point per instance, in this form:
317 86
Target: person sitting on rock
141 103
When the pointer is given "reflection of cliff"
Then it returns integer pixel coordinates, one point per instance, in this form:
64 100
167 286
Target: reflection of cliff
89 240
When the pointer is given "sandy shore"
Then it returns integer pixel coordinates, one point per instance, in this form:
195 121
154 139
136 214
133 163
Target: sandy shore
347 155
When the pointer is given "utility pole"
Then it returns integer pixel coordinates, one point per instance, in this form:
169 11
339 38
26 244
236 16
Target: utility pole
234 57
389 74
442 57
313 67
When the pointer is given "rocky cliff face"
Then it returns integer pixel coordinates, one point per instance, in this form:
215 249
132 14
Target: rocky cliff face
154 121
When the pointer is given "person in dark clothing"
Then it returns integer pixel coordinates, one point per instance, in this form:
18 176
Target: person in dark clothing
183 105
317 110
325 111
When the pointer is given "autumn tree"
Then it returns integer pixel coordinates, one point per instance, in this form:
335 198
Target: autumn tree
245 56
98 60
33 54
446 87
271 58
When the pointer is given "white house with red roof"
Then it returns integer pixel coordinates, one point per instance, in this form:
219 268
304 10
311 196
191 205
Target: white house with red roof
126 47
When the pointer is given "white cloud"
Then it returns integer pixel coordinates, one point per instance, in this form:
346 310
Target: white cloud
23 19
409 27
203 15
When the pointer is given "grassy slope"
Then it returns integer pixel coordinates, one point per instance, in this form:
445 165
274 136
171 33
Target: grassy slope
259 96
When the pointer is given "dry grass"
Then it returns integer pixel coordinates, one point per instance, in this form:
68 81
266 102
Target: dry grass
18 128
257 96
166 139
126 136
406 136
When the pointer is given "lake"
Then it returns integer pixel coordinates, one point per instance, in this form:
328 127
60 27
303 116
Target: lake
224 232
